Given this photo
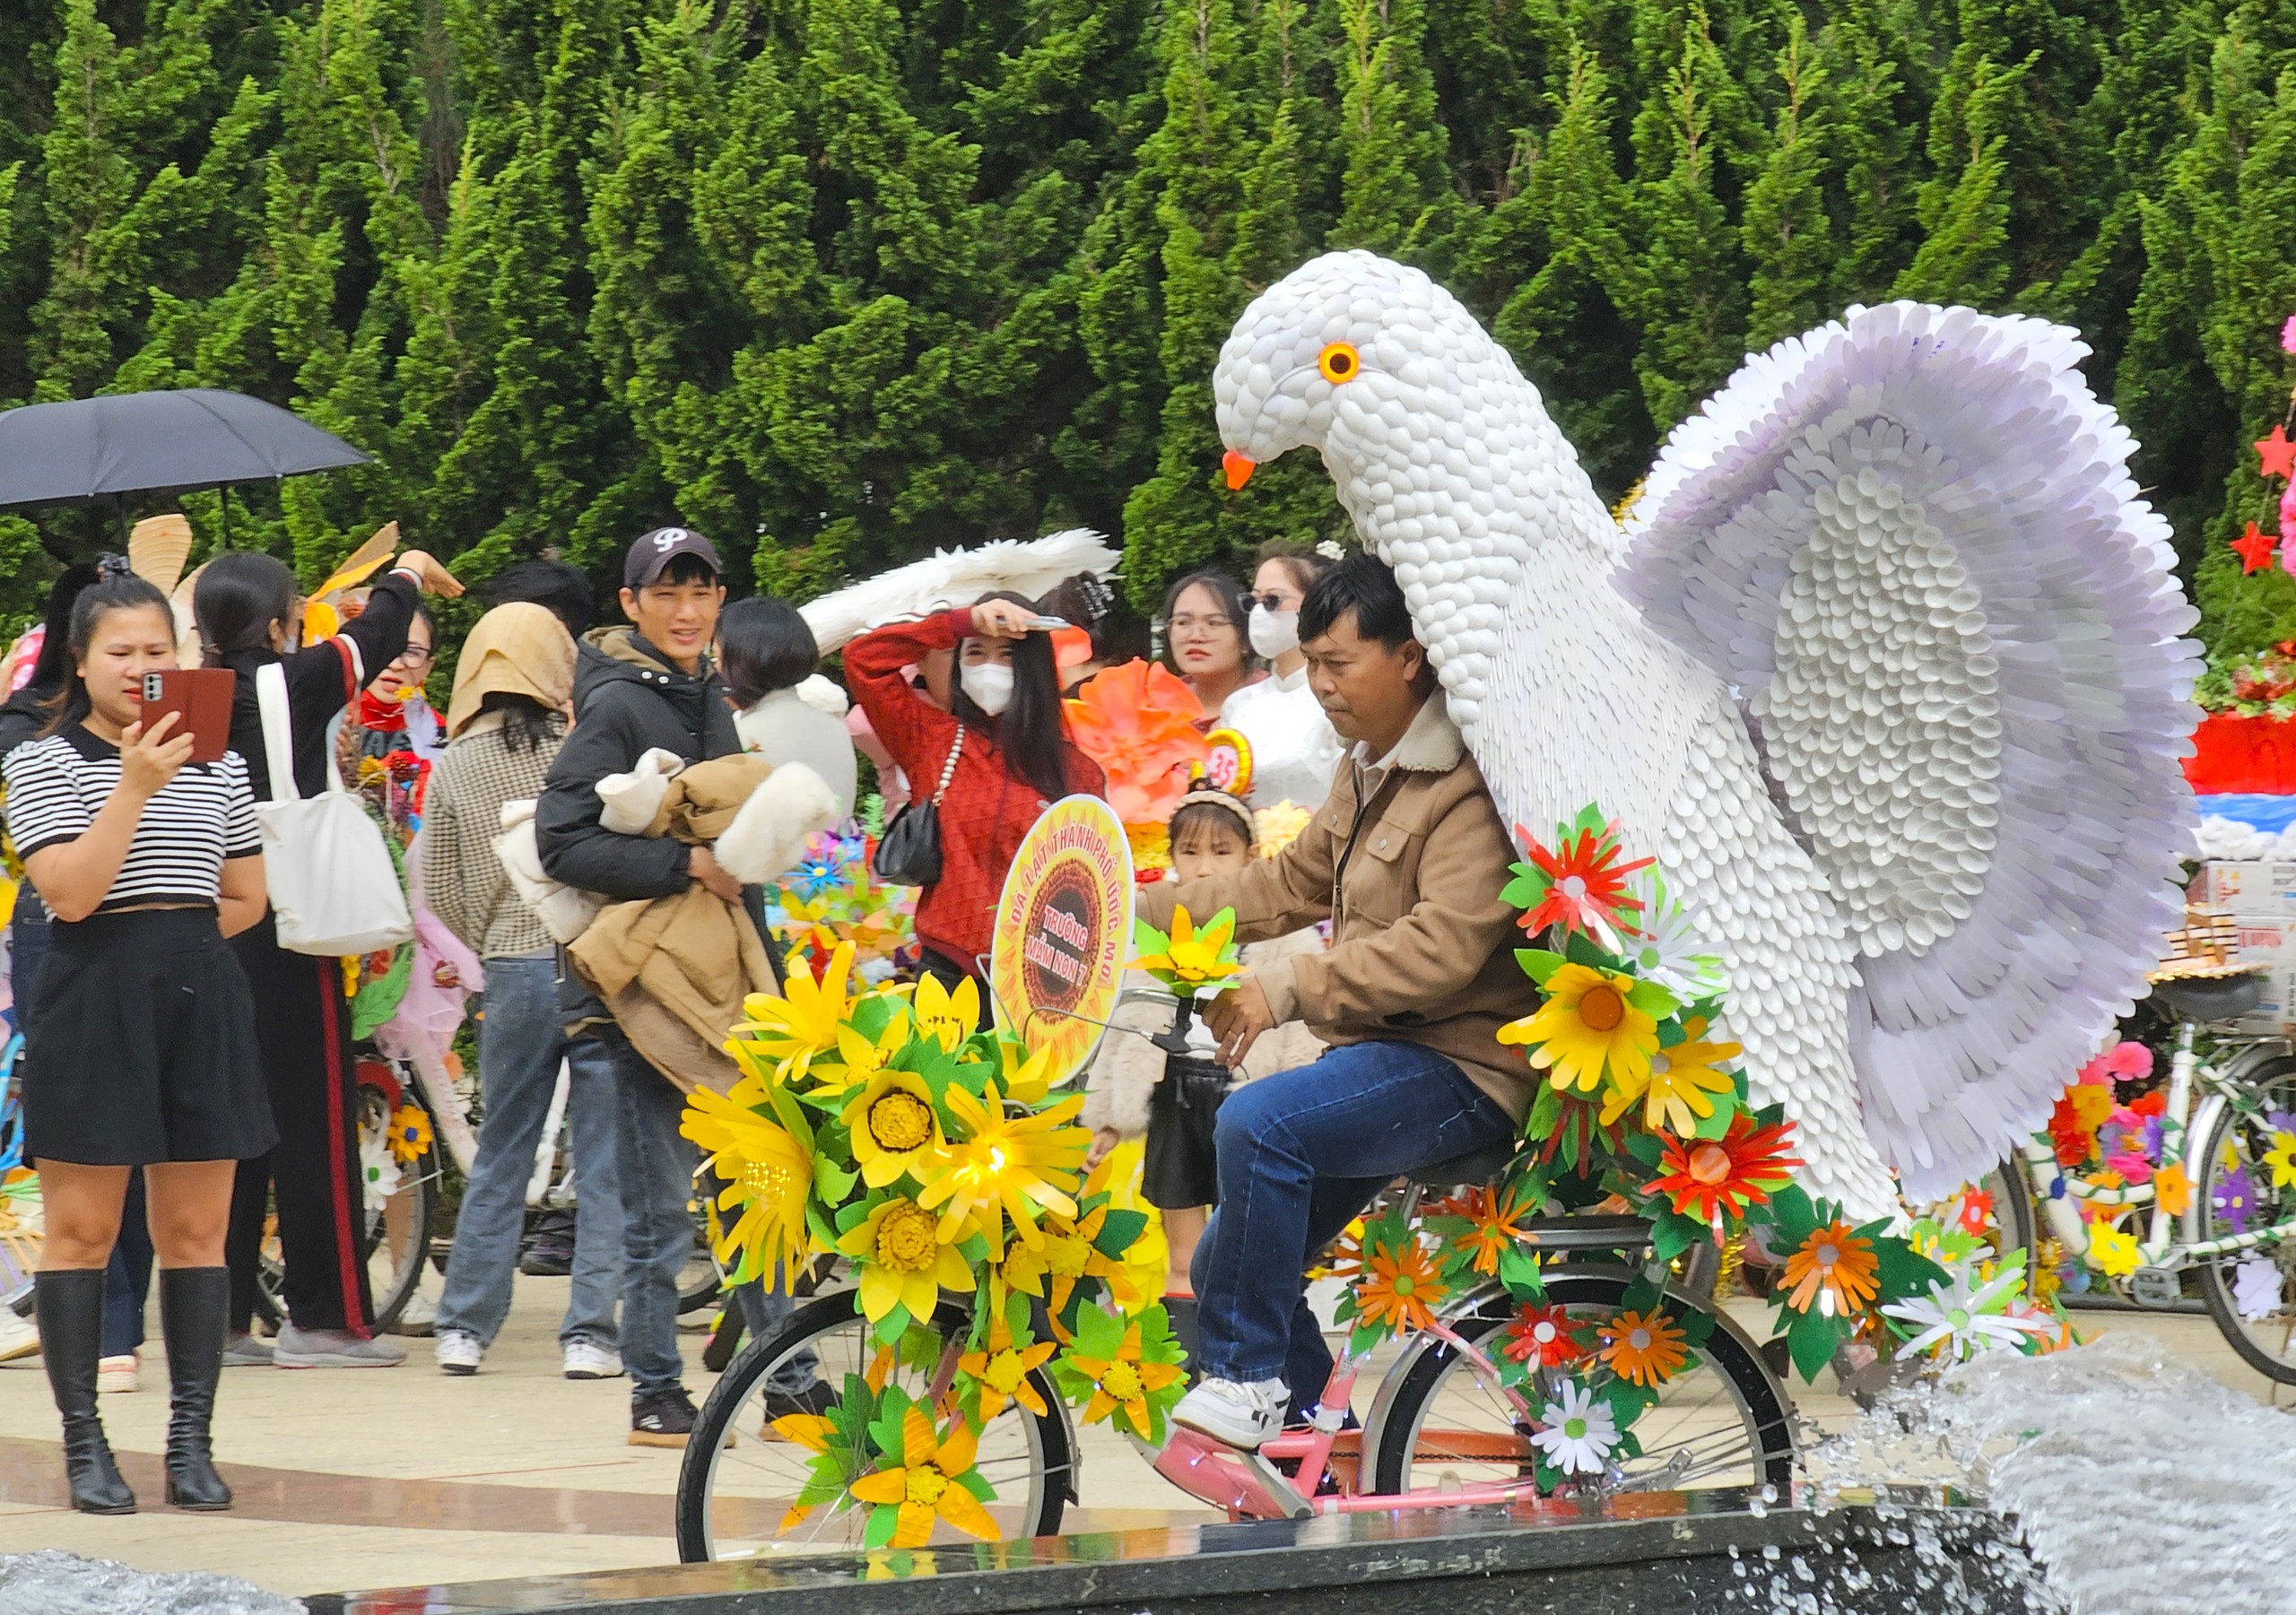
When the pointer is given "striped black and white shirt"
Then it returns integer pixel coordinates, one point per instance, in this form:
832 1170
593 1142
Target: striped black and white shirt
204 815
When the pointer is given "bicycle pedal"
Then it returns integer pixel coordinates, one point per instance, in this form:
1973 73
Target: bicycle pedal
2151 1286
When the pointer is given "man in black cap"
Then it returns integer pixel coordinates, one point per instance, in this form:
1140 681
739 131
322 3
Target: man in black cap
649 685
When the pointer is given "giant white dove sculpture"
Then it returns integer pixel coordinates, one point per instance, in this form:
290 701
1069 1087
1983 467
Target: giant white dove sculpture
1886 669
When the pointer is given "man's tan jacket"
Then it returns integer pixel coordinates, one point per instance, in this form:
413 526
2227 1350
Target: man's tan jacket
1406 858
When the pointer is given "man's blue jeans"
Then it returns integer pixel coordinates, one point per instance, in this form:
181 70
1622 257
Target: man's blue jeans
519 1045
658 1183
1301 1154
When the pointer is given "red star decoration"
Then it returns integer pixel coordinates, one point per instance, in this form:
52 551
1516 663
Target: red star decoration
2255 548
2277 455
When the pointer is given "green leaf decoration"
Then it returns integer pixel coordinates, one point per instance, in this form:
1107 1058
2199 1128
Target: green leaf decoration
1652 999
1120 1230
1671 1232
1696 1325
1539 964
1519 1270
1813 1339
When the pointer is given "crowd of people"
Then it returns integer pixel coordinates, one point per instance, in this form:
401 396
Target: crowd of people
188 1079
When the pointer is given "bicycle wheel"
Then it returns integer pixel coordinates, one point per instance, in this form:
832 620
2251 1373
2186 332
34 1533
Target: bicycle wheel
736 1484
1723 1422
2250 1292
1997 1209
402 1204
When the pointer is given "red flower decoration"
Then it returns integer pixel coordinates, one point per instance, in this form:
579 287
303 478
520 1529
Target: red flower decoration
1539 1337
1713 1179
1586 883
2254 549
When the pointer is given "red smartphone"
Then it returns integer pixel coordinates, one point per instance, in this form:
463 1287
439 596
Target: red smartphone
202 697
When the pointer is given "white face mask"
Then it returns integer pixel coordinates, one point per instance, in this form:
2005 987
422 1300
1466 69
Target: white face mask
1274 632
989 684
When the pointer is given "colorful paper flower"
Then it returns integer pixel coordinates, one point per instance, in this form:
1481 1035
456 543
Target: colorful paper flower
2112 1253
949 1017
860 1057
1646 1349
1017 1165
1683 1076
2234 1198
1577 1432
1400 1287
1068 1254
1124 1378
903 1259
894 1128
1589 1026
1002 1370
1190 957
1835 1268
767 1171
1541 1337
1138 721
1715 1179
1580 884
2256 1288
781 1036
2281 1156
927 1484
1966 1316
2173 1189
1670 950
1495 1220
409 1133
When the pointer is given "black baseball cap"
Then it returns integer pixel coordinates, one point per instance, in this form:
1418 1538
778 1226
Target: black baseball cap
652 552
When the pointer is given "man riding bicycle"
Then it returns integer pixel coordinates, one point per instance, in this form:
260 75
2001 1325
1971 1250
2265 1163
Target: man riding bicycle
1406 858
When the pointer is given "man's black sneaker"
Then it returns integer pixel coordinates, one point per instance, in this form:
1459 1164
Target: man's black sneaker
816 1399
662 1417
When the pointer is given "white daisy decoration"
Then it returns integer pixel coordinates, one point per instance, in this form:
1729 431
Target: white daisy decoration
1579 1431
1971 1319
1670 949
2256 1288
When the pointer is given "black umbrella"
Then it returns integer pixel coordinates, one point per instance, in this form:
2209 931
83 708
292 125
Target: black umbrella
135 442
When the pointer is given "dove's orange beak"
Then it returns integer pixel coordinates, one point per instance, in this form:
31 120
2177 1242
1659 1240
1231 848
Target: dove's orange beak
1238 469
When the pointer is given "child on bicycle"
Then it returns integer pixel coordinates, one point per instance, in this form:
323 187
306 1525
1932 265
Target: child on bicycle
1136 1087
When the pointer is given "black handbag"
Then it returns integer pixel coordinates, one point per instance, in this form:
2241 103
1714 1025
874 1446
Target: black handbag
909 854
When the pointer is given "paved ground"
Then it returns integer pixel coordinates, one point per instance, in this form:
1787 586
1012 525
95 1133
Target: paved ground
373 1478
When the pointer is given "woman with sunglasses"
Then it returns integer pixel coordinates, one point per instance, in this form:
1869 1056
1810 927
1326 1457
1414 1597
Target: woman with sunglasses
1294 747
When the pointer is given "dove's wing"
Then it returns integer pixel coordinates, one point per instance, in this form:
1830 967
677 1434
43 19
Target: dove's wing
1909 542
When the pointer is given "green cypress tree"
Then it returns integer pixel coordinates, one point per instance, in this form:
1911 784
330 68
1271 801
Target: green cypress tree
1788 236
1392 189
1964 253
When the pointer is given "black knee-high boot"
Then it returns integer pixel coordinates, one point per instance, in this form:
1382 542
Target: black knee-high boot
193 1301
71 1309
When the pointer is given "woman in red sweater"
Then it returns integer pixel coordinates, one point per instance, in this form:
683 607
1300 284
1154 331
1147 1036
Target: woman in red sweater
1013 757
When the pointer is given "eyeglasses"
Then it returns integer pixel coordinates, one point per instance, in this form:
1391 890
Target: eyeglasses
1272 602
414 656
1212 625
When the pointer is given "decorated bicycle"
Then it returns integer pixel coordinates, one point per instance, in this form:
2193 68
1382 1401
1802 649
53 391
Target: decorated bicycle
1839 685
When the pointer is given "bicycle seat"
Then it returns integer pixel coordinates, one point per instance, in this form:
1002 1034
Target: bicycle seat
1475 1167
2211 997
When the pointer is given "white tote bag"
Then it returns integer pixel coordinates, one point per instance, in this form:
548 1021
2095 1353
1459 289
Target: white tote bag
333 886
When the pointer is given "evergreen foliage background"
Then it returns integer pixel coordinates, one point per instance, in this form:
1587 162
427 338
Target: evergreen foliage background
839 280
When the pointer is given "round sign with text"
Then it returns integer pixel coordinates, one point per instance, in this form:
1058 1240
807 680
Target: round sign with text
1064 926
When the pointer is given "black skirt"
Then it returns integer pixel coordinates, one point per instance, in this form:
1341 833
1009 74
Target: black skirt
1178 1166
143 1047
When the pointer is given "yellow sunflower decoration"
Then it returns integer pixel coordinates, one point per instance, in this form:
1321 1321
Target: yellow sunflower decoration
1589 1026
927 1484
895 1129
782 1036
1676 1094
1016 1165
945 1016
903 1260
768 1169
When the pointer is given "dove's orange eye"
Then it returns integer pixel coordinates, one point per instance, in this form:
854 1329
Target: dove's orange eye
1339 362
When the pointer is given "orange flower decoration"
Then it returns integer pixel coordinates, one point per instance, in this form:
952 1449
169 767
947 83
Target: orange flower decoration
1712 1180
1836 1269
1648 1348
1003 1370
2172 1188
1495 1221
1138 722
1400 1289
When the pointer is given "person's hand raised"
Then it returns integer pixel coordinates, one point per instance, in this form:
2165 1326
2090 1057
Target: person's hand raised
429 576
148 761
1002 619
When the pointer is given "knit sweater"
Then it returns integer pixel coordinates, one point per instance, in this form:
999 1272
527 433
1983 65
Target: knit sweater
463 882
985 810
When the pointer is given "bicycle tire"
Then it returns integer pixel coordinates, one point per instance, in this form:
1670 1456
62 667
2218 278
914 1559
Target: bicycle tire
420 1183
1051 1443
2215 1273
2013 1212
1764 1409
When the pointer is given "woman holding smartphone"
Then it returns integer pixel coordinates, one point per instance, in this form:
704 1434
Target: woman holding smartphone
143 1054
